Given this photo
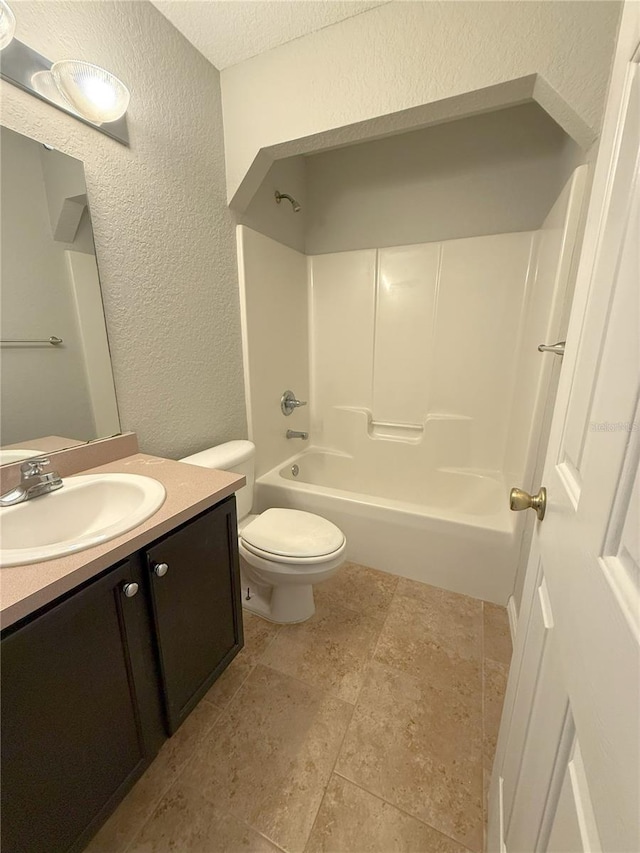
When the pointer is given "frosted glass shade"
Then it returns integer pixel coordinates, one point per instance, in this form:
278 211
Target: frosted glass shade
45 85
7 24
92 92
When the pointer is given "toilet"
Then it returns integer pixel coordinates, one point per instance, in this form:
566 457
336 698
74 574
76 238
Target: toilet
283 552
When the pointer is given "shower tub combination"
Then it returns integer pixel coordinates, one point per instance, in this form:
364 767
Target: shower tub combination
450 528
426 388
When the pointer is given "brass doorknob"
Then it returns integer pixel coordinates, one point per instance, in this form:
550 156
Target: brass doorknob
523 500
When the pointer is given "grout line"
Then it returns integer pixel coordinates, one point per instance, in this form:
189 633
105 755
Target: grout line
331 772
346 729
179 772
328 693
484 821
402 810
258 832
223 709
384 623
252 667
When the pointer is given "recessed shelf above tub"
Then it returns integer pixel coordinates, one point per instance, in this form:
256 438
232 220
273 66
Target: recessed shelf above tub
402 432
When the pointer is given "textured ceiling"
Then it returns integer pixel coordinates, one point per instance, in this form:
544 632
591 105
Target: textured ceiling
229 31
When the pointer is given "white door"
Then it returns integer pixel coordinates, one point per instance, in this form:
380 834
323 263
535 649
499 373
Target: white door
567 770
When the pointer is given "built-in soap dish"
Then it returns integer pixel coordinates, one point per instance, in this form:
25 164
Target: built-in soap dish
397 431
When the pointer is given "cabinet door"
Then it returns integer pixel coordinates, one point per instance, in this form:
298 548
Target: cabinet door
72 738
195 589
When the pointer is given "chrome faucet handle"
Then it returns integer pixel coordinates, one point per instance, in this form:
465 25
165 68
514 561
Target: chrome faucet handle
289 402
34 481
34 467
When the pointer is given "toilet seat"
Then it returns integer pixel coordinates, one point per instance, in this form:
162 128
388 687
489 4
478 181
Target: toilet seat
292 536
297 561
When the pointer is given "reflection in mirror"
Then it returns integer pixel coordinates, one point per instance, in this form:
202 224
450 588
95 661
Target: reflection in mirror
56 381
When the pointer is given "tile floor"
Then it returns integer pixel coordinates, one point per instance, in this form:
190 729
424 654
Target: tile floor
371 727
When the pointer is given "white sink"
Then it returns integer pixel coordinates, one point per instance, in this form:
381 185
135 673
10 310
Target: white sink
87 510
17 454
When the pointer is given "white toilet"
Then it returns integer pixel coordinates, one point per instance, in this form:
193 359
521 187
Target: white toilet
283 552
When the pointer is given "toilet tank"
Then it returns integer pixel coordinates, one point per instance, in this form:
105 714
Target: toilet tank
236 456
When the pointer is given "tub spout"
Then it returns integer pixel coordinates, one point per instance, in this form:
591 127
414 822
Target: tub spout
296 433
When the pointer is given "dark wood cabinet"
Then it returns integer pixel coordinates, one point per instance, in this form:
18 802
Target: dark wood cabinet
72 733
196 607
93 684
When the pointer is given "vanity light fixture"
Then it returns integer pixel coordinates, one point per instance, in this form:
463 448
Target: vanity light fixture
88 92
91 91
47 88
7 24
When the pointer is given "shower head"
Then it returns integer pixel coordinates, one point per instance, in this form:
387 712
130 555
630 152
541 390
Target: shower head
294 204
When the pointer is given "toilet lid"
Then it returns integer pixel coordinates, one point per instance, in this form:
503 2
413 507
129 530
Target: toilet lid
292 533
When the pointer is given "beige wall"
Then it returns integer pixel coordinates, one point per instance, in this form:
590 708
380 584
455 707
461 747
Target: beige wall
164 236
275 220
403 55
489 174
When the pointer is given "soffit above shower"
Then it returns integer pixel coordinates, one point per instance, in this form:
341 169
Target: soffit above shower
227 33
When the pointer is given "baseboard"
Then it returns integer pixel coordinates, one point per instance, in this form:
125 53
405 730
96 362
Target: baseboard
513 618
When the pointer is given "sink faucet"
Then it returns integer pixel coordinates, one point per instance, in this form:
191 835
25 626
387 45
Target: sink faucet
33 482
296 433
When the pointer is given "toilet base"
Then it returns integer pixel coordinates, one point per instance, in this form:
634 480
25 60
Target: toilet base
284 604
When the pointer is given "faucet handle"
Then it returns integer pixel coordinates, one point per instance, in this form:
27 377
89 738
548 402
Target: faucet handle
289 402
33 467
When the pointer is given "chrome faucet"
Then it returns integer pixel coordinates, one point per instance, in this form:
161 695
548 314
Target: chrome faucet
289 402
296 433
34 481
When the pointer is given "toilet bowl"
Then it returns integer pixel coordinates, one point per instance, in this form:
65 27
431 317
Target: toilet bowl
283 552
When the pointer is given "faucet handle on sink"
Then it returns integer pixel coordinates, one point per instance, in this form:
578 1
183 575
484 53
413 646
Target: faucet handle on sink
33 467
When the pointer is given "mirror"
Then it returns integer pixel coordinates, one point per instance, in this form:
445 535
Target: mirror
56 382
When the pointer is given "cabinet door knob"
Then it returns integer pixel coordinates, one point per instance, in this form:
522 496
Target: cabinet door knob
130 589
160 569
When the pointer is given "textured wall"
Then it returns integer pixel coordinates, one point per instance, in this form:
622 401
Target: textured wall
164 236
405 54
487 174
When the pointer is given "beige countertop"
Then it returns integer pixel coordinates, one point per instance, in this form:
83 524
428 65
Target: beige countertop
190 490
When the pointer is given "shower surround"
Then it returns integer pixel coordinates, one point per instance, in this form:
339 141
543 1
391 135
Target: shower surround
426 390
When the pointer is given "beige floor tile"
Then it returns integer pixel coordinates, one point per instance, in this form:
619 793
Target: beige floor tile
231 680
185 822
434 635
258 634
359 588
419 747
140 802
486 785
427 593
495 684
351 820
330 651
497 636
269 758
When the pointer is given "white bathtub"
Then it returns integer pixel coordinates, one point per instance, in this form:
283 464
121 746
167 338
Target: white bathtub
448 527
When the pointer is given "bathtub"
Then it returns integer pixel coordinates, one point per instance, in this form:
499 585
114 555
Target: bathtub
448 527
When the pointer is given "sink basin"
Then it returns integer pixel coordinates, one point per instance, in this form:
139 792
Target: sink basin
87 510
17 454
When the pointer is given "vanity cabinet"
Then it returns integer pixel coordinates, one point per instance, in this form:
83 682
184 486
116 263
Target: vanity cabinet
93 684
196 608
